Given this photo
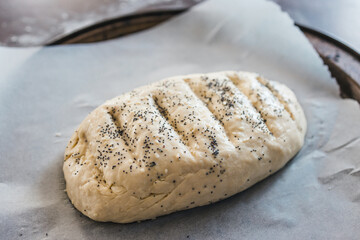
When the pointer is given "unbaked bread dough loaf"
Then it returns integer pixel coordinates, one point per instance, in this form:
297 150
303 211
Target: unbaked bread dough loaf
180 143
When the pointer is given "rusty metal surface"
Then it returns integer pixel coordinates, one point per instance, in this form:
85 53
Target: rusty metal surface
343 63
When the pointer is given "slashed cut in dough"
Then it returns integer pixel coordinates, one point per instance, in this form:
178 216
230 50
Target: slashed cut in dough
180 143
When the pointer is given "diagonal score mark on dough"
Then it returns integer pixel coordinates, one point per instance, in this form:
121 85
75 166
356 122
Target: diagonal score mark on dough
230 96
117 136
119 129
163 112
70 147
227 133
120 132
76 149
196 125
222 99
236 81
276 94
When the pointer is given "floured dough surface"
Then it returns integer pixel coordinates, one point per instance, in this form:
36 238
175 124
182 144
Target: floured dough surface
179 143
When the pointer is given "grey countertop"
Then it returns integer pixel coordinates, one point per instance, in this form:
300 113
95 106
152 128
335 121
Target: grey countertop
33 23
338 18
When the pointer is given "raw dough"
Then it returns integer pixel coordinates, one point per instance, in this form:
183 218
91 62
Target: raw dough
180 143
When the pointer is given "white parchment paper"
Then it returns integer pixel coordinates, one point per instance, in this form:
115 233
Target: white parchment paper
45 93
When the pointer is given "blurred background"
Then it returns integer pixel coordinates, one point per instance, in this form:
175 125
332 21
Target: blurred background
33 23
